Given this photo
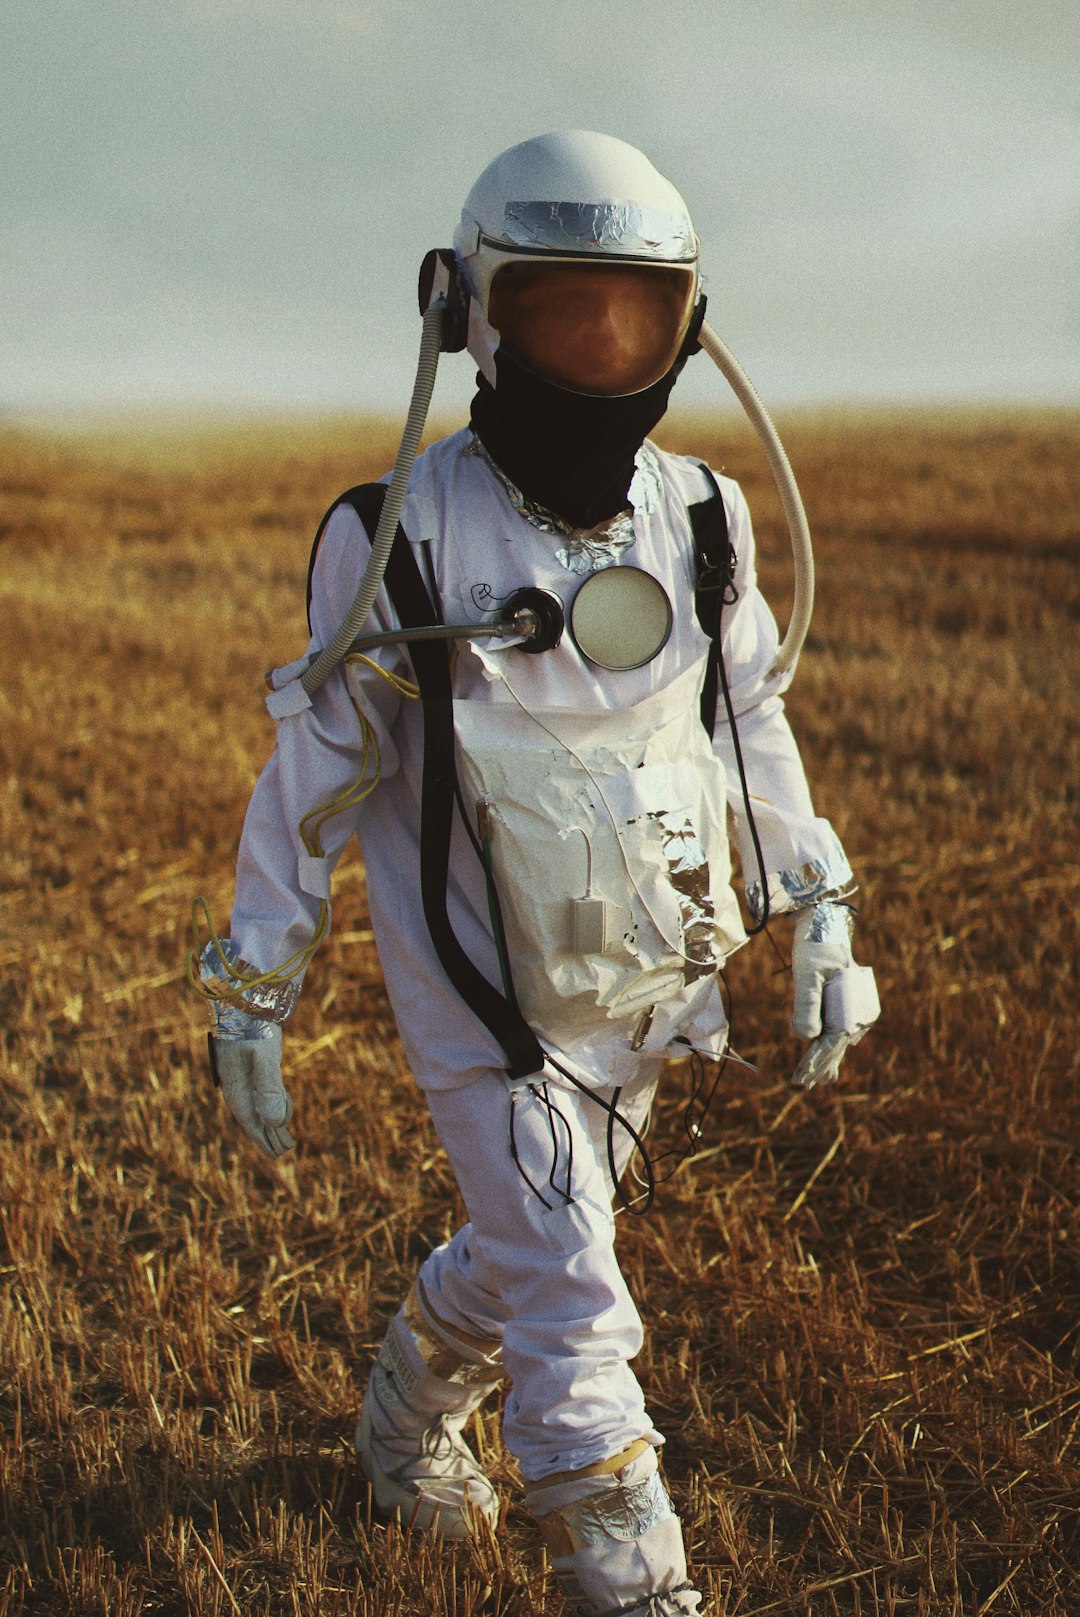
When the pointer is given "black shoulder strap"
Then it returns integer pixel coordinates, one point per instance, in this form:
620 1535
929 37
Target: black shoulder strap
431 663
367 501
715 561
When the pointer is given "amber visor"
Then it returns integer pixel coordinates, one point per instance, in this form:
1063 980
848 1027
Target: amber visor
607 329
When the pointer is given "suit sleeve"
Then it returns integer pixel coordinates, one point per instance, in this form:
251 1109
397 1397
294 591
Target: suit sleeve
319 754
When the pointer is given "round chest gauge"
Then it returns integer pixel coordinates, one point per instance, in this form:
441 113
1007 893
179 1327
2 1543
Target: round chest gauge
620 618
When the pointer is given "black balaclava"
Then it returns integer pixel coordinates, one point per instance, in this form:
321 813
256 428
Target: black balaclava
571 452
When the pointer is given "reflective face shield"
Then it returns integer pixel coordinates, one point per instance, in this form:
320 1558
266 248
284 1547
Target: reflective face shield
608 328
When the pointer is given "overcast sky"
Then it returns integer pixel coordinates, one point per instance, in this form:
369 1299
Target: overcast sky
225 202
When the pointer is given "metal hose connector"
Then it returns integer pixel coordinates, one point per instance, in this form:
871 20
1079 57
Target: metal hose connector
427 365
798 527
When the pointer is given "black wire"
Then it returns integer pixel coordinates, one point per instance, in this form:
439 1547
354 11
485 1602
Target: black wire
751 931
553 1112
613 1112
693 1127
629 1205
514 1153
614 1116
637 1206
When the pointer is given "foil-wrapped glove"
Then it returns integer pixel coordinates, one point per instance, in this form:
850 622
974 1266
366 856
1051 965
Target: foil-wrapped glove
248 1073
836 1001
245 1053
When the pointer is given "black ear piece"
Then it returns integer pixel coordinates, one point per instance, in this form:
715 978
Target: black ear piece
440 277
691 345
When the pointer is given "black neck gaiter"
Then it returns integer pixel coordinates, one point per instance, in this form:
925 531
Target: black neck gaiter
571 452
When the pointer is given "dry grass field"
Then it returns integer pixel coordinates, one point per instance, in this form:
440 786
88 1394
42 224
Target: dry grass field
863 1303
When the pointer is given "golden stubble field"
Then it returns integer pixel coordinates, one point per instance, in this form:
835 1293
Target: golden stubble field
862 1303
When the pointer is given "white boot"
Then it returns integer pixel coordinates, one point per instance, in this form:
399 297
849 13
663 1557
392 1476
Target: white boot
615 1543
424 1385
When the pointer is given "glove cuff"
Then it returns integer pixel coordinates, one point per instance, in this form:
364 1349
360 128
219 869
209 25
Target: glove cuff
237 1008
230 1022
829 876
830 921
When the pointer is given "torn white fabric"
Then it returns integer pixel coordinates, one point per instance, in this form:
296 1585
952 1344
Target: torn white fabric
645 795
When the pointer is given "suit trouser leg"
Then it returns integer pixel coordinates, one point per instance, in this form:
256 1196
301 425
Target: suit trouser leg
536 1266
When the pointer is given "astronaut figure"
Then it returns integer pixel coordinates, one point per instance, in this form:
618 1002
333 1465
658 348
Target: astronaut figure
585 874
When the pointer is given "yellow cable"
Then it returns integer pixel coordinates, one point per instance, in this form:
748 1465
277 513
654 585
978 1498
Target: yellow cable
230 986
354 794
398 682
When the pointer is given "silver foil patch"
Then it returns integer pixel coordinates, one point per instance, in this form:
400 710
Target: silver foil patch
598 227
586 550
646 485
444 1362
623 1513
830 923
230 1022
802 886
235 1001
688 872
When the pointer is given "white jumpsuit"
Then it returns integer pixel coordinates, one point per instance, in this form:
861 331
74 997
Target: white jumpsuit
534 1266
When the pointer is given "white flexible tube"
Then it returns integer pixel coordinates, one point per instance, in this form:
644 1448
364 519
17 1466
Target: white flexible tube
798 527
426 366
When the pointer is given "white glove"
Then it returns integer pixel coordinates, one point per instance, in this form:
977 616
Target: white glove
835 1000
248 1073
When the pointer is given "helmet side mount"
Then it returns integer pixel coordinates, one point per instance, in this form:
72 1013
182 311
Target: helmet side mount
441 278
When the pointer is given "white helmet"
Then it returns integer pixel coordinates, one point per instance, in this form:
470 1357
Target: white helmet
573 196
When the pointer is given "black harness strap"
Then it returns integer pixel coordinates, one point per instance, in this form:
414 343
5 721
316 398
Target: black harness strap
318 539
715 561
431 663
